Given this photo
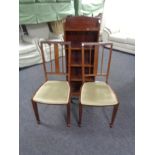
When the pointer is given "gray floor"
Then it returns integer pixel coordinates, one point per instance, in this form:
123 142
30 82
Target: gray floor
94 137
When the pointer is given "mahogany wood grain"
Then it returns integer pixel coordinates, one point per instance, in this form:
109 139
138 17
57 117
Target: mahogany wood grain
95 73
59 69
78 29
56 58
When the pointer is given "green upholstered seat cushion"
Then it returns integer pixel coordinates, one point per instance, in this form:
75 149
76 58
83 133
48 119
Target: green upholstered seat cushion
53 92
97 94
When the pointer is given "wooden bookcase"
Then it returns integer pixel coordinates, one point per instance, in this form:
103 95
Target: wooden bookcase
78 29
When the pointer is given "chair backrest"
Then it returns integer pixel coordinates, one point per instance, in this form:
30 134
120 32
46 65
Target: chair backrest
55 58
96 60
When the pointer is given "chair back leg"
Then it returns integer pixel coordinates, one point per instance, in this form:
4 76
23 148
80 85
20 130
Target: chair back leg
115 109
35 108
80 114
68 115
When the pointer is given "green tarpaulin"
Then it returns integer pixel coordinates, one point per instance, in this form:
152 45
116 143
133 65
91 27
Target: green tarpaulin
33 13
91 7
39 11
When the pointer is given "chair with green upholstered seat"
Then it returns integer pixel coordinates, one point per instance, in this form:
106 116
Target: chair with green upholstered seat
97 93
54 92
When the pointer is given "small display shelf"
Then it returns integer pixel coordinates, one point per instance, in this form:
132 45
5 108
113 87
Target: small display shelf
78 29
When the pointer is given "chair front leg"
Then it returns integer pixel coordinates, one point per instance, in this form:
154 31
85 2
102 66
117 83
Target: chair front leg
35 108
115 109
80 114
68 115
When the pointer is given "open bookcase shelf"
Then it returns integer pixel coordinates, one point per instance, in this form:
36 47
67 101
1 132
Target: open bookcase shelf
78 29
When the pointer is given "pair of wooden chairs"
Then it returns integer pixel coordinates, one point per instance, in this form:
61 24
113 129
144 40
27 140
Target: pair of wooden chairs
58 92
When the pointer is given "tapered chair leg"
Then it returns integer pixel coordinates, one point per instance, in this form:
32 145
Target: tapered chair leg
68 115
114 115
80 114
35 108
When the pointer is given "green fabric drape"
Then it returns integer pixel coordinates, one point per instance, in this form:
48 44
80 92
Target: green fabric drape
39 11
27 1
33 13
91 8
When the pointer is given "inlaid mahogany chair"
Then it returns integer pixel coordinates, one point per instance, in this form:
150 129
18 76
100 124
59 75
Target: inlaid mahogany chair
54 92
97 93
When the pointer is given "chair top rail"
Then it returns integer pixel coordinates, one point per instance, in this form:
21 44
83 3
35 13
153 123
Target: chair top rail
54 42
96 43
